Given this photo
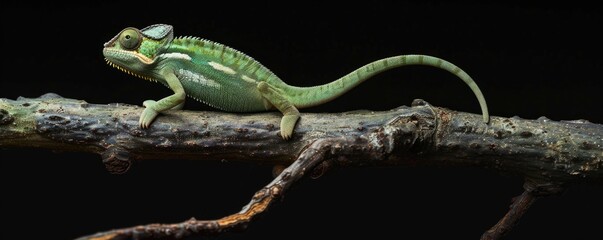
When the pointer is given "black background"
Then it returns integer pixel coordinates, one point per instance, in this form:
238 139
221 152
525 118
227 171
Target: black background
529 60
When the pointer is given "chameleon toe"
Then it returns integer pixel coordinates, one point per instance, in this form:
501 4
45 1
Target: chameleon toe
287 125
147 116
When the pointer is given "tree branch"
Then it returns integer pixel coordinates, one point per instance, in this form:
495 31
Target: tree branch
549 155
259 203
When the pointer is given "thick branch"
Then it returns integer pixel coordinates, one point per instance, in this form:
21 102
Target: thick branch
544 150
550 155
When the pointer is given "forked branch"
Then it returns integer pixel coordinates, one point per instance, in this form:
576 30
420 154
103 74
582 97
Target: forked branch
260 201
549 155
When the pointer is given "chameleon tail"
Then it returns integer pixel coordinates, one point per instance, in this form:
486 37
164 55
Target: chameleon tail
311 96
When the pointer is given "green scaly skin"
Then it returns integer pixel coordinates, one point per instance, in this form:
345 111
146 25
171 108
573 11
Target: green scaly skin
229 80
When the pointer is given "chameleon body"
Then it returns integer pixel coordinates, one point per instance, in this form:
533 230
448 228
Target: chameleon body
227 79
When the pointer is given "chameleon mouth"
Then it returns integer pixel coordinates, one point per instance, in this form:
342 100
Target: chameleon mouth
128 54
128 71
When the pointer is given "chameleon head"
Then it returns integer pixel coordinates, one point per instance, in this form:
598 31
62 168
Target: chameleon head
134 51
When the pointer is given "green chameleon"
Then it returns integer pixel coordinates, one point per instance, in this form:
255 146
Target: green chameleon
227 79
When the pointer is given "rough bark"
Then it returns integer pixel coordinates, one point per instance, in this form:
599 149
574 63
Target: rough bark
549 155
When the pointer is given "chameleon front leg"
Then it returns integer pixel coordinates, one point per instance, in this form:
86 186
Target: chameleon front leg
174 101
290 112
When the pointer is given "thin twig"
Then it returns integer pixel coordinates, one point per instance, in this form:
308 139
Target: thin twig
520 205
259 203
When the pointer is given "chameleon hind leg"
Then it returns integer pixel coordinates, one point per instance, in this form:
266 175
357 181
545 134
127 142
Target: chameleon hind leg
290 112
178 107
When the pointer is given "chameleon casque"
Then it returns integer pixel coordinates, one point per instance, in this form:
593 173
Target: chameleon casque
230 80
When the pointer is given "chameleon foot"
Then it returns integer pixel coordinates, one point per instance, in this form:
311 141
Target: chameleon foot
148 115
287 125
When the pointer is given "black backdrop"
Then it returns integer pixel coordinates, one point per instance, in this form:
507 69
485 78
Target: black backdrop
529 60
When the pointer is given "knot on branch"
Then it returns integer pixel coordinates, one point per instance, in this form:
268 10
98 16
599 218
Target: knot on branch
5 117
320 169
116 160
50 95
419 102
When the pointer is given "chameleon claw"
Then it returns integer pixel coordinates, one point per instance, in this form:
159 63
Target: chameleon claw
285 135
147 117
287 125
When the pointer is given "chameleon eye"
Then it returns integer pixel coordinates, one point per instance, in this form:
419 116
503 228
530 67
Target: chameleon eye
130 39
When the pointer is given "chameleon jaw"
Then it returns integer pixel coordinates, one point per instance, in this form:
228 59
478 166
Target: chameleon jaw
123 54
128 71
118 58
